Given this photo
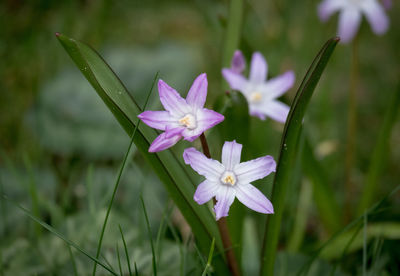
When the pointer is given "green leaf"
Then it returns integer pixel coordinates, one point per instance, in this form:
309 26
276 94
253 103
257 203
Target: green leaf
289 149
380 152
176 181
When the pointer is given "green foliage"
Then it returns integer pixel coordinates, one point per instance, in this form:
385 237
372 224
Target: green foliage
165 164
289 146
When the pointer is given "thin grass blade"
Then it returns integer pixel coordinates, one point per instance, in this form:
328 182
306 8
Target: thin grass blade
209 260
289 146
126 251
127 154
153 253
61 236
170 171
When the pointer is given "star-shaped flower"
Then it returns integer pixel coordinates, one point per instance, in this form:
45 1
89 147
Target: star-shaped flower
230 179
261 94
183 118
350 16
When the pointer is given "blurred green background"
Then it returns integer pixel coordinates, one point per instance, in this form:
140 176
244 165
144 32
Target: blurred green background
60 148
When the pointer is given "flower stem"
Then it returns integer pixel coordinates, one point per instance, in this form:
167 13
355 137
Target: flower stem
351 128
222 224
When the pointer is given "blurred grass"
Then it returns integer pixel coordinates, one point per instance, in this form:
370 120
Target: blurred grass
71 183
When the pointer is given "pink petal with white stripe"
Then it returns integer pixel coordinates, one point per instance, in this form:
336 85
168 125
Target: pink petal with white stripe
197 94
258 68
349 21
172 101
206 191
162 142
231 154
225 197
255 169
238 63
235 80
254 199
277 86
328 7
207 167
157 119
376 16
275 110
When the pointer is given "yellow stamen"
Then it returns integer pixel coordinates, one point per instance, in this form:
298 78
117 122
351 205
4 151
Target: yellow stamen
188 121
228 178
255 97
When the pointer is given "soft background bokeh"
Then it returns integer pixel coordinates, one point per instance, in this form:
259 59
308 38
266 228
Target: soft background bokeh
60 148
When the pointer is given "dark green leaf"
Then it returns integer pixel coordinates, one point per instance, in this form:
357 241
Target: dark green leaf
178 184
289 148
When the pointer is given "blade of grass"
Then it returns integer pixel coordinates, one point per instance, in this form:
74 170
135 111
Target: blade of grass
136 270
72 260
153 253
210 256
126 251
365 245
346 248
58 234
380 152
169 169
121 170
375 209
33 194
289 146
119 259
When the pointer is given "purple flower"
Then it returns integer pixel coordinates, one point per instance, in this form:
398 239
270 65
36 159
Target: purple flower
260 93
230 179
350 16
183 118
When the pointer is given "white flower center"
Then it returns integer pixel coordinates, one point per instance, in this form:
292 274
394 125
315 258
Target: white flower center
188 121
255 97
228 178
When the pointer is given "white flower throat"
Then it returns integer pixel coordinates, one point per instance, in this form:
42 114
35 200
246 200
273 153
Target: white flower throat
255 97
228 178
188 121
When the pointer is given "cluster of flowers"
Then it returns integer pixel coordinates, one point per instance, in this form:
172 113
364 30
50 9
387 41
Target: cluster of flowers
188 119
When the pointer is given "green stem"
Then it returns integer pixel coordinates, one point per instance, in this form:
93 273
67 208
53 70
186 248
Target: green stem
233 32
351 129
222 224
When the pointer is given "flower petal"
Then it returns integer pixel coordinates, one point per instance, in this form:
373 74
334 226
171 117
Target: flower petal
225 197
274 109
207 167
231 154
172 101
205 119
328 7
157 119
258 68
247 172
254 199
235 80
238 63
164 141
206 191
349 21
197 94
376 16
277 86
